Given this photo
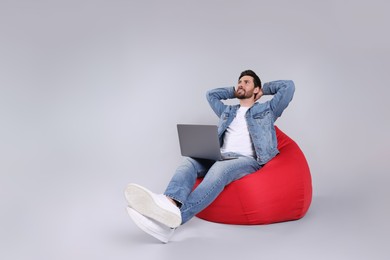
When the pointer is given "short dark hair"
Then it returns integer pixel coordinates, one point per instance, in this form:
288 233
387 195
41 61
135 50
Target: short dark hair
251 73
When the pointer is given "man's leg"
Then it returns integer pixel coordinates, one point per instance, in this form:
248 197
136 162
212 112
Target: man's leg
159 207
219 175
183 180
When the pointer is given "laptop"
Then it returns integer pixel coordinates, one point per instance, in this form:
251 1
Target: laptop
200 141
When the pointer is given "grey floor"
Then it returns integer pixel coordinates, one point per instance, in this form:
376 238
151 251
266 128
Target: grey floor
85 218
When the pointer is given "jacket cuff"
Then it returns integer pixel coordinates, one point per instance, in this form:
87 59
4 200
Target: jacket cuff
232 90
266 89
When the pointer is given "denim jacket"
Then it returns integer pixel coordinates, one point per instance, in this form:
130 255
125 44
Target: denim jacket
260 117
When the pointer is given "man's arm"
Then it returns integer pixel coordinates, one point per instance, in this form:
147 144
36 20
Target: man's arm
215 96
283 91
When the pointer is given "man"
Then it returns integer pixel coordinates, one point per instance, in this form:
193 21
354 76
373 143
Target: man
245 130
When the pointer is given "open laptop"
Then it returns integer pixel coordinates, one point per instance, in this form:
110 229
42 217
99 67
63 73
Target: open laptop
200 141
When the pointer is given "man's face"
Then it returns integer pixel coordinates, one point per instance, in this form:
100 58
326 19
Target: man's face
245 87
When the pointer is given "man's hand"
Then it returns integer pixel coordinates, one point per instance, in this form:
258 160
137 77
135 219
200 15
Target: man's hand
258 95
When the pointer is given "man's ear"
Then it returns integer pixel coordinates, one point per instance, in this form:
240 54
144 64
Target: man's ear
256 90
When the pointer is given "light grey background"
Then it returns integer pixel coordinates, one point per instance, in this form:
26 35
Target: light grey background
91 91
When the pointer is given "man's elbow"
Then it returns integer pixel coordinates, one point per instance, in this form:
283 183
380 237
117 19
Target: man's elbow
290 86
208 95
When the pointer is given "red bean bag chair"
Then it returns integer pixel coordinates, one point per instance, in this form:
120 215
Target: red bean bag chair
280 191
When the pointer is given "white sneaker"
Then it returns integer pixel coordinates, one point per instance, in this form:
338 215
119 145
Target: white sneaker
150 226
154 206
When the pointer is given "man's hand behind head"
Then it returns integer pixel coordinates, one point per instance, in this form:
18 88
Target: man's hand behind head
259 95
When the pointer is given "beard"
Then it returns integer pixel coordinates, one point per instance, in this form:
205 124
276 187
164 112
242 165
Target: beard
242 94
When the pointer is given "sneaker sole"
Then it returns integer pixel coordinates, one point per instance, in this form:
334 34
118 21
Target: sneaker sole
142 201
136 218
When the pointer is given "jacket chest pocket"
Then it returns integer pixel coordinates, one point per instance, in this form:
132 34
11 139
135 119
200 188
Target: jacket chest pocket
263 118
223 121
225 116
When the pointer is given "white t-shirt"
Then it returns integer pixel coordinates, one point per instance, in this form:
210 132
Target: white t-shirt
236 138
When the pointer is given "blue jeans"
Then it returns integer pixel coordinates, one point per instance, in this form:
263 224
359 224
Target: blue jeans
216 176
